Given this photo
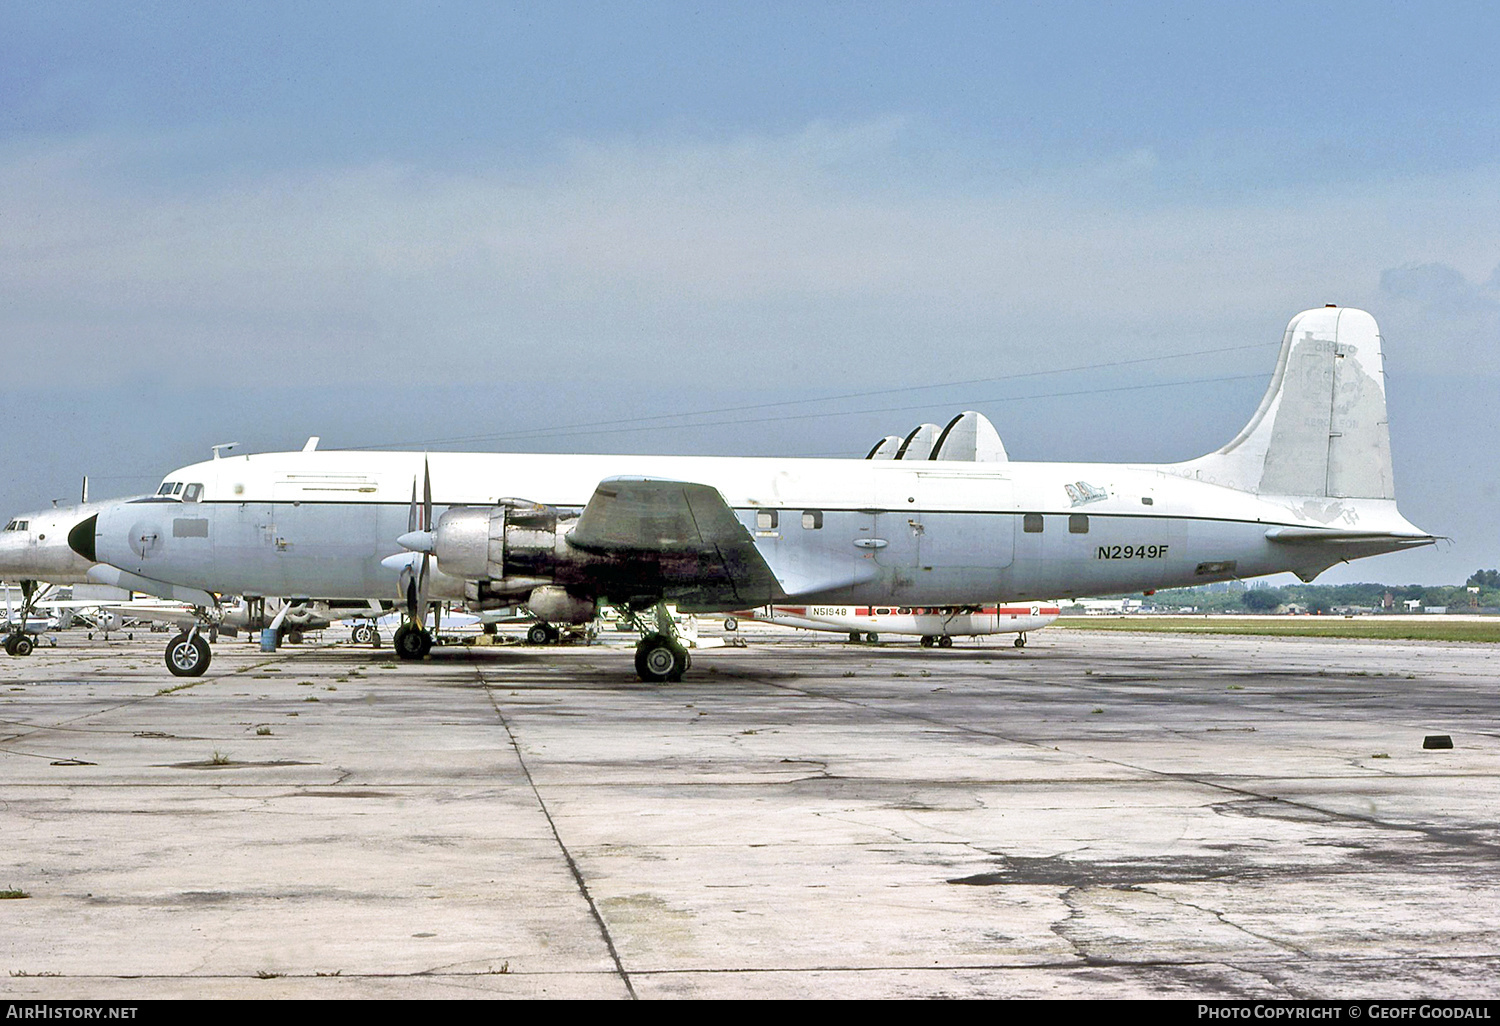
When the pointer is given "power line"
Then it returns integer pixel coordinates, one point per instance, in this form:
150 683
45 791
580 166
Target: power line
652 420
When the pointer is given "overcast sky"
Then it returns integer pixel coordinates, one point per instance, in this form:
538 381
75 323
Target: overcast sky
551 226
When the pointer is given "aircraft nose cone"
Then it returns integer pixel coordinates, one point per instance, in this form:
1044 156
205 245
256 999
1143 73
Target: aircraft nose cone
81 538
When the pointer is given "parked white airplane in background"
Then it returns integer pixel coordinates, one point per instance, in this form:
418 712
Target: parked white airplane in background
1305 485
34 552
935 625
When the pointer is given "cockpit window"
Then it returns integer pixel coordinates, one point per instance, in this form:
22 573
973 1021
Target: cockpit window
192 493
18 525
177 488
166 488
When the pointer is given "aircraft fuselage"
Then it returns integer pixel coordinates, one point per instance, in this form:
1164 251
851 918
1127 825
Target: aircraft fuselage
833 531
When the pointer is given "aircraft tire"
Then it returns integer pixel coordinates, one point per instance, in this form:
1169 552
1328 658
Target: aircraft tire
412 642
374 638
10 644
730 623
928 641
945 642
873 638
659 658
22 645
361 634
1020 641
188 657
537 634
854 637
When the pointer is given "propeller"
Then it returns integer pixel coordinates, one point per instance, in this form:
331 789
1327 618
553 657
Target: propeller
419 537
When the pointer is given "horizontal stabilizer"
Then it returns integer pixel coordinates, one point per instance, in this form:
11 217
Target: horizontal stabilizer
1318 536
1317 549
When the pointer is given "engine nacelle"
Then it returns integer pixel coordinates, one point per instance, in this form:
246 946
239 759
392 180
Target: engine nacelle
556 605
490 544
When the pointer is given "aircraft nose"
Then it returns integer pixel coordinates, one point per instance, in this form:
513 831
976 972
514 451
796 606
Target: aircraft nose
81 538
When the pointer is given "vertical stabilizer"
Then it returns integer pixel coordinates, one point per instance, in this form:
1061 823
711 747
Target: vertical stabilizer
1321 429
970 436
918 445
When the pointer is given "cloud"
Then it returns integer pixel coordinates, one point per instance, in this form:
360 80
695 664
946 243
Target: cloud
837 252
1457 320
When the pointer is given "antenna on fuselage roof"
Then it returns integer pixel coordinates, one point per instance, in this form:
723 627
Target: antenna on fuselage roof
222 445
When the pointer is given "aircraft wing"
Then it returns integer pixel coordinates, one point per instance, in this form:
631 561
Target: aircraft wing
673 539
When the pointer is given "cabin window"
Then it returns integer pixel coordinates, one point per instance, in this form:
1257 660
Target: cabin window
192 493
1031 523
1078 523
882 612
1146 500
765 520
812 519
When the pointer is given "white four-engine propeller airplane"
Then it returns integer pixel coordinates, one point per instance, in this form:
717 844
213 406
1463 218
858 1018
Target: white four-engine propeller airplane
1307 484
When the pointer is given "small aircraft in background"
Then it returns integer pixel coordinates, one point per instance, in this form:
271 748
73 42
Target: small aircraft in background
935 625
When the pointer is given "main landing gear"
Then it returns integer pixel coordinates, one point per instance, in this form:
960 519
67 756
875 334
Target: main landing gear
1020 641
411 641
940 640
659 656
542 634
19 644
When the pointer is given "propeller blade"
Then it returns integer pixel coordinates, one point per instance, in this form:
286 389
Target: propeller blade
426 495
422 581
411 514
